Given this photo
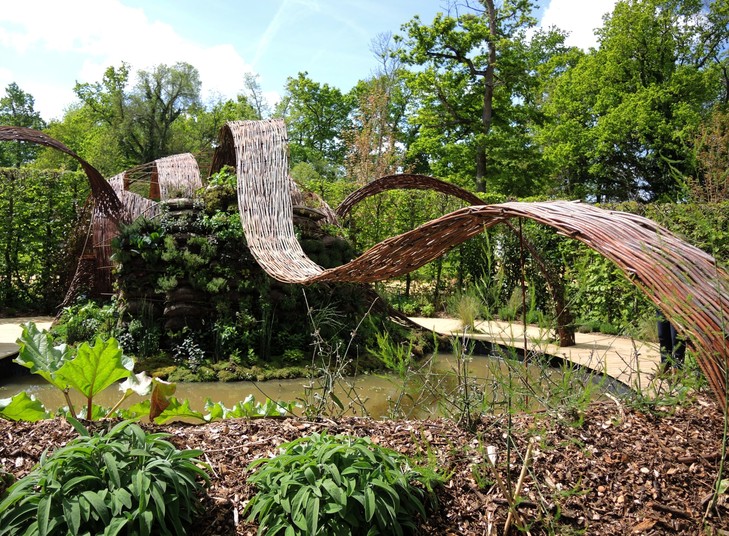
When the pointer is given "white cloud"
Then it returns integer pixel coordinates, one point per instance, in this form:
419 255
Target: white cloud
578 17
93 35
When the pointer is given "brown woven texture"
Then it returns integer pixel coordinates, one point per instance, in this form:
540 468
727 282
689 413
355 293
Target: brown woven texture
106 200
407 181
107 213
178 175
684 282
163 179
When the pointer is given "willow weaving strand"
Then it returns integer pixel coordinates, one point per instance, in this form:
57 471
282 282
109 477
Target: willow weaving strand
684 282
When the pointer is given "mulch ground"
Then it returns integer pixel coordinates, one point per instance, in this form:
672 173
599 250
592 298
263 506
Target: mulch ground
619 472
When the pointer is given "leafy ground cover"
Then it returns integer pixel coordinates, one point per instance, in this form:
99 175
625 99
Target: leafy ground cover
622 471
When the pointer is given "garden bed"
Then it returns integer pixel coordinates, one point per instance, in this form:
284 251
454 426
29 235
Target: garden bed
620 471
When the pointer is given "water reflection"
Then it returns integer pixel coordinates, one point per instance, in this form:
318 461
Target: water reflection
437 387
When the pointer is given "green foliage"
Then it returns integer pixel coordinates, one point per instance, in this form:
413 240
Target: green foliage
468 126
87 369
83 322
396 356
94 368
39 211
141 118
621 119
38 353
17 109
248 408
711 185
466 306
124 481
22 407
316 115
338 485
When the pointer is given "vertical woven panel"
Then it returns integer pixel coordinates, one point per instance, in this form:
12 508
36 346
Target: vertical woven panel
178 176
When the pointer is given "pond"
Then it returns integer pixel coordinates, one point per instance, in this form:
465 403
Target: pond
435 388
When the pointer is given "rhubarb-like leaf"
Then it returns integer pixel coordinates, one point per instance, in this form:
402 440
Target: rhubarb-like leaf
39 355
22 407
178 410
94 368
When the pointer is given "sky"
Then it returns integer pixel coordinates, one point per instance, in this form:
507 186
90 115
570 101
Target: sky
47 46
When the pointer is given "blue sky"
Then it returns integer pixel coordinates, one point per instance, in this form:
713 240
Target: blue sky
46 46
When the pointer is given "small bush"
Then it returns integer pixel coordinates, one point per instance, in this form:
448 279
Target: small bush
124 481
338 485
83 322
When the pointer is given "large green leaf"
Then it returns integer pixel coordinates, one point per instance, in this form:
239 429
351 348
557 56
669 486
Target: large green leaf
178 410
95 367
22 407
39 355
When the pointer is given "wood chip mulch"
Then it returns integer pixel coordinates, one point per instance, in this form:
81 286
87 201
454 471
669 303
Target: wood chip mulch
619 472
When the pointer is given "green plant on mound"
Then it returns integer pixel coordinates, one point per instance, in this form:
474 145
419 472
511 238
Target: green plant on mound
339 485
124 481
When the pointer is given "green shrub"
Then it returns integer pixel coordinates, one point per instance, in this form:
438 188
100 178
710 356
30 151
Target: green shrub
83 322
338 485
124 481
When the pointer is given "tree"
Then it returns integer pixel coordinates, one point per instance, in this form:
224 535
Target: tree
375 138
316 116
712 153
623 117
17 109
81 131
142 119
253 95
198 130
476 91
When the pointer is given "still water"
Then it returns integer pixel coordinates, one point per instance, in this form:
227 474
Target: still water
426 392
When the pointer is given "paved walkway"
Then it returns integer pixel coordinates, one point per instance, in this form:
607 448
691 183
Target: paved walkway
12 328
630 361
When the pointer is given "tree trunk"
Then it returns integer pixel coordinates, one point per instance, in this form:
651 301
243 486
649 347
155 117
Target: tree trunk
488 99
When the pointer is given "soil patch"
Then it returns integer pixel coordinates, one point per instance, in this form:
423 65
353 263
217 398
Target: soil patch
619 472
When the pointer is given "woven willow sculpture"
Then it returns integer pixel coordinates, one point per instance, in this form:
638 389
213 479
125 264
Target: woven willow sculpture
684 282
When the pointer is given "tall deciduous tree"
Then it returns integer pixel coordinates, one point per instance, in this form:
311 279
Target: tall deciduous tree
477 92
253 94
142 118
624 116
316 116
375 138
17 109
711 185
198 130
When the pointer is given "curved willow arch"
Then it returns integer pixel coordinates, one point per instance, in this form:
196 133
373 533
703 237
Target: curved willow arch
684 282
107 213
409 181
107 201
405 181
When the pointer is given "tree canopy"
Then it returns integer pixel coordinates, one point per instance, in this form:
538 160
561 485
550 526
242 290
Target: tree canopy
623 116
17 109
478 96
